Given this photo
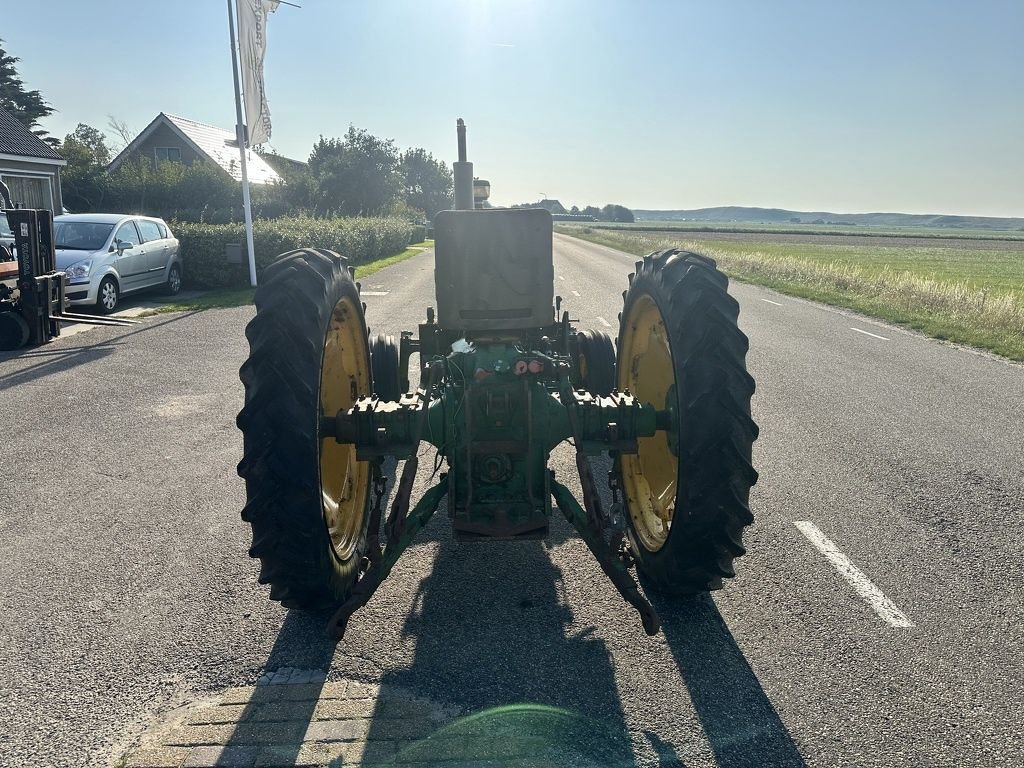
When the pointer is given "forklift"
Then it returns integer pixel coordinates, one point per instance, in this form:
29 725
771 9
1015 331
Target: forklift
32 300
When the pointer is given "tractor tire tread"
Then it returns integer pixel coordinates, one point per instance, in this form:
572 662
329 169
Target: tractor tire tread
714 390
279 423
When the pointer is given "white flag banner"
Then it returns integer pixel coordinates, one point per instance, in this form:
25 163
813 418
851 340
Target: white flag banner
252 45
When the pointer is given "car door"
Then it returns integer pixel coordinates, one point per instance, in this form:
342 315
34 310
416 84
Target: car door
157 251
130 262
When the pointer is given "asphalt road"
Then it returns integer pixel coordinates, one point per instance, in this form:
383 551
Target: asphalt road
127 590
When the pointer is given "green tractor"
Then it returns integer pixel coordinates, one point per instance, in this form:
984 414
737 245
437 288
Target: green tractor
504 378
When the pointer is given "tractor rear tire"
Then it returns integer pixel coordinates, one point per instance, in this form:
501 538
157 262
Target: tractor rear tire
307 497
596 362
387 382
686 491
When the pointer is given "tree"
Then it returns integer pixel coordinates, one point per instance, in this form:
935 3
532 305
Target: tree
84 181
172 190
27 106
428 182
590 210
575 210
613 212
294 194
355 175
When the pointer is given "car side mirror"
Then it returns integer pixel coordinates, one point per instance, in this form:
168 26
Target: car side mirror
122 246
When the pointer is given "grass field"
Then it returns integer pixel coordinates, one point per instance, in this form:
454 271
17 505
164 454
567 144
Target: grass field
965 290
744 227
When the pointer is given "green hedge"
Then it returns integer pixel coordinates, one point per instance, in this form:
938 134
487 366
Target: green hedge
203 246
419 234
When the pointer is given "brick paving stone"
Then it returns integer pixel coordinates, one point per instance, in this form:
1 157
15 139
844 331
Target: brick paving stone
162 757
287 692
295 755
357 690
309 754
338 730
280 677
339 752
283 710
199 735
388 706
221 757
308 676
338 709
230 713
237 695
335 690
289 732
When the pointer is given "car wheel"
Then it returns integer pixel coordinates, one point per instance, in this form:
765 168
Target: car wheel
173 284
108 296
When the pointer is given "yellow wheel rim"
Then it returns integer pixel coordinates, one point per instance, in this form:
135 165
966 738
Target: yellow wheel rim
581 361
649 477
344 376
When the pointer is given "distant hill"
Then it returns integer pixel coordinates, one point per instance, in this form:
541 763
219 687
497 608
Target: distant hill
740 214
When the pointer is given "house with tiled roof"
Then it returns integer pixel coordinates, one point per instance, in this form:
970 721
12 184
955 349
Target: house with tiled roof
179 139
29 166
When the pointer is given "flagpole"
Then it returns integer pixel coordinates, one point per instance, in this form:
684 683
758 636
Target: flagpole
241 138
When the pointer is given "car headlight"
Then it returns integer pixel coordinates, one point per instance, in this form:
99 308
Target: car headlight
78 270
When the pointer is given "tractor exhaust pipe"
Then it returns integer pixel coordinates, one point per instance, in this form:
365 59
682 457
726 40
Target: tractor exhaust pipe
463 172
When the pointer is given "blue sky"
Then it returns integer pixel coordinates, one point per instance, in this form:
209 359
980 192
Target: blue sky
843 106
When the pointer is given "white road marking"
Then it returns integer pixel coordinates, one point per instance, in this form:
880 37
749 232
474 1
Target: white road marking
575 293
604 322
872 595
772 302
374 293
873 335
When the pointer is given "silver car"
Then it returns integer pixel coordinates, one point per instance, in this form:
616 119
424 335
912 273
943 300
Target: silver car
106 255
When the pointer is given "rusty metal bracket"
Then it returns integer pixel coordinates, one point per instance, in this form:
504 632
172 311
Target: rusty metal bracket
373 548
609 560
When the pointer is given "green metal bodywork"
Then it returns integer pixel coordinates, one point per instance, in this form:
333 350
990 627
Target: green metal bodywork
495 414
495 397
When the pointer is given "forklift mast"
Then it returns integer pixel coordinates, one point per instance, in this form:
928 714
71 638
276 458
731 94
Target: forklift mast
41 286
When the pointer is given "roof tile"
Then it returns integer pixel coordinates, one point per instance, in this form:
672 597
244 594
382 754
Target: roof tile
16 139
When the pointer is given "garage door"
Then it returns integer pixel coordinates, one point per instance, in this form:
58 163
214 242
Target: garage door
30 191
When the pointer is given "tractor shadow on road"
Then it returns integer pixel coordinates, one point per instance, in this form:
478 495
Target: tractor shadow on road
283 705
741 725
493 646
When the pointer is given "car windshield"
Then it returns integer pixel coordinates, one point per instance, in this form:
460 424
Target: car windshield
81 235
5 228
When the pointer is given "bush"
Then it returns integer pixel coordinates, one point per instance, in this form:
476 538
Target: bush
419 233
203 246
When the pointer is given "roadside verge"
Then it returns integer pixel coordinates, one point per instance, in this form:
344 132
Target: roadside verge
948 309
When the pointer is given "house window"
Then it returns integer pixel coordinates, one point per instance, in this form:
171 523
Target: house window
167 153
